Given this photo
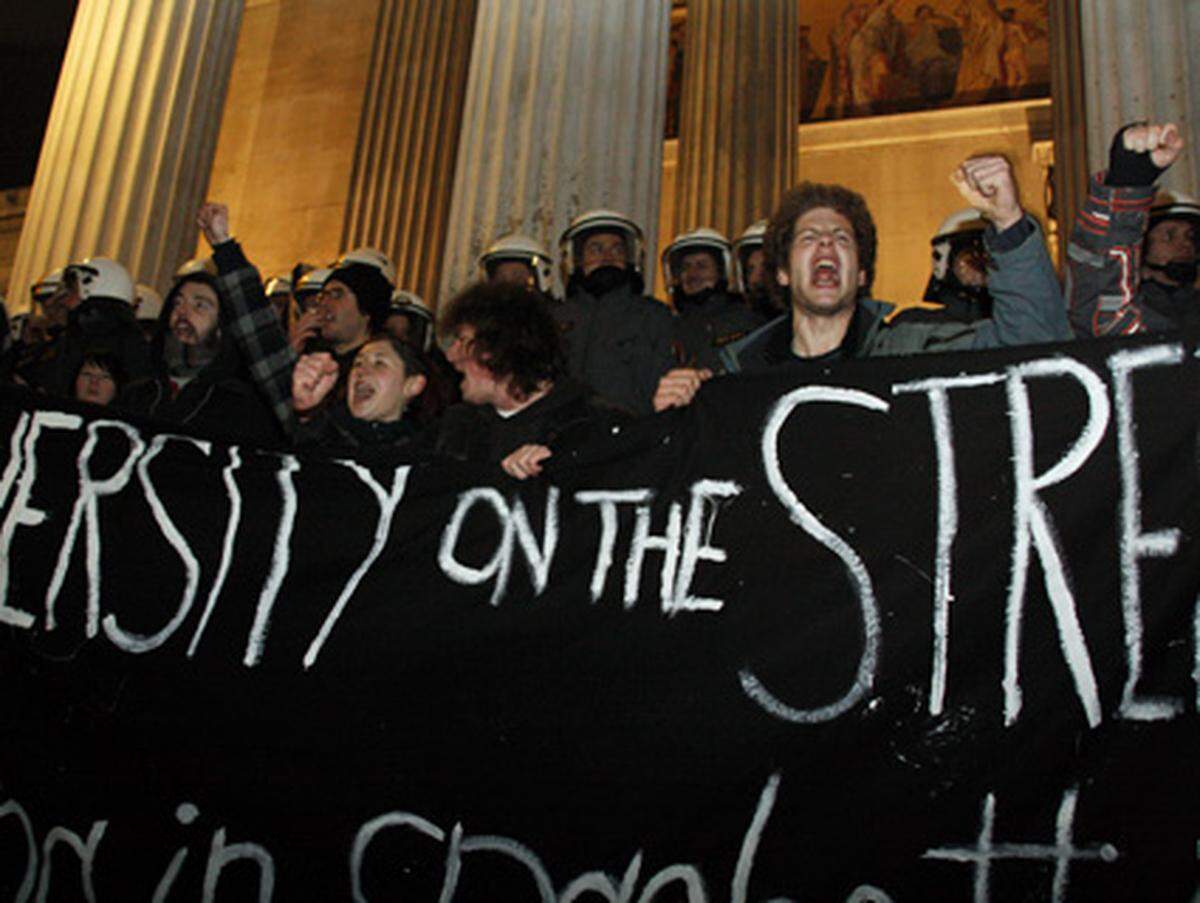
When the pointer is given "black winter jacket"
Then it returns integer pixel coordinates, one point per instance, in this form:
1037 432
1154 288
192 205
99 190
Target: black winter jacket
565 420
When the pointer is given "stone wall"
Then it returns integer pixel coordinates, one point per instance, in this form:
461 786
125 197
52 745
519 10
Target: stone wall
286 149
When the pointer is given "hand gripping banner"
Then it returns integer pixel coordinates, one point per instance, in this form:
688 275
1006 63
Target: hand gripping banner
916 629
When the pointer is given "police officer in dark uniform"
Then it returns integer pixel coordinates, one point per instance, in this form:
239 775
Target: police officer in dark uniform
617 340
697 266
958 274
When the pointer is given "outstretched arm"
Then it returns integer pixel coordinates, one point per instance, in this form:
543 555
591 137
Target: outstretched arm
1027 305
1104 256
252 321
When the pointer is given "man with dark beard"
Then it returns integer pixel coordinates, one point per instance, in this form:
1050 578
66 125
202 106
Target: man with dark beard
200 380
696 266
617 340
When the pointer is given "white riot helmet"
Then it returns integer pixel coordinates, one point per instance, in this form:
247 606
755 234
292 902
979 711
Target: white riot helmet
413 306
99 277
956 232
697 240
570 244
1174 205
309 286
278 285
522 249
748 242
147 303
371 257
46 287
196 266
965 225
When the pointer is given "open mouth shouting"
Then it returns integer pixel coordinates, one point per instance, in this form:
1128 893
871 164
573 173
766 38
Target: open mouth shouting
826 272
361 392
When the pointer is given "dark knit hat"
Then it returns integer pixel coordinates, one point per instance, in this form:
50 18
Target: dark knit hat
373 291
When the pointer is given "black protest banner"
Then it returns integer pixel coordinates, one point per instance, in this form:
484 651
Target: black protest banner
918 629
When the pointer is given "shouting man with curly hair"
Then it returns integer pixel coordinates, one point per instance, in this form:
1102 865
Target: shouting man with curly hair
820 247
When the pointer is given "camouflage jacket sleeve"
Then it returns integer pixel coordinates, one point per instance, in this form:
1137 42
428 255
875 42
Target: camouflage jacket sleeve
256 329
1104 260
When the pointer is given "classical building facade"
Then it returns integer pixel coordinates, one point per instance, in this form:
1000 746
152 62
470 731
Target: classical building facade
428 128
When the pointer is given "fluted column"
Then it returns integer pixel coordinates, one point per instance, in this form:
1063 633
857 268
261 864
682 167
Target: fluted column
739 113
130 140
399 192
1140 62
564 113
1069 112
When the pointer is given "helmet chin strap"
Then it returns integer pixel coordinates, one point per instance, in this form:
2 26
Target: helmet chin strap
1182 272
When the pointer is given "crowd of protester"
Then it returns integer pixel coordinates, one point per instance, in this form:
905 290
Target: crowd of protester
340 357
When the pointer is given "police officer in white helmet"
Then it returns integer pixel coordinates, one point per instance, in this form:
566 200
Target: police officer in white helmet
519 260
98 295
279 293
696 267
46 318
410 320
958 273
617 340
48 299
1172 240
752 278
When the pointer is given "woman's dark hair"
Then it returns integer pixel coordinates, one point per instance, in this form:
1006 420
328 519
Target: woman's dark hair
515 334
414 362
808 196
440 390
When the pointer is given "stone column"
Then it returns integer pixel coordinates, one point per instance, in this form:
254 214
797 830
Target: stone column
399 193
739 114
1069 112
564 113
128 148
1140 62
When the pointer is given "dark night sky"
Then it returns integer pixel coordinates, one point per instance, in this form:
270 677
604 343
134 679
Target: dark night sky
33 39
